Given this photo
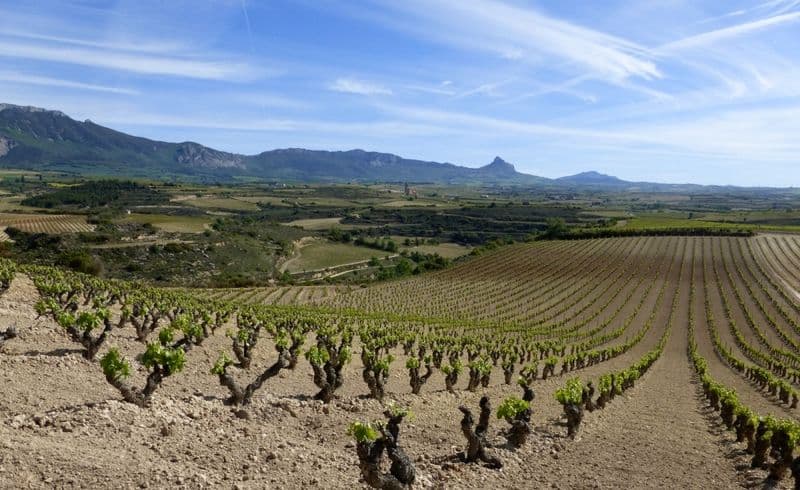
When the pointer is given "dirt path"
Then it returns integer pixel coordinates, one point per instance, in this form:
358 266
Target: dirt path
657 436
296 251
17 303
761 402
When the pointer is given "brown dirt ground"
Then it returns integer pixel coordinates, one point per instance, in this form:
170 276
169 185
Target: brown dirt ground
63 426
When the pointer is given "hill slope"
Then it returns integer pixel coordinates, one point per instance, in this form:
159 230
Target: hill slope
592 179
39 139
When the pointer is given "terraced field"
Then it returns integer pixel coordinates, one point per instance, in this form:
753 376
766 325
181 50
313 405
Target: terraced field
691 345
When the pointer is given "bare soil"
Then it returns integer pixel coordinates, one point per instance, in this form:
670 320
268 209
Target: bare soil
63 426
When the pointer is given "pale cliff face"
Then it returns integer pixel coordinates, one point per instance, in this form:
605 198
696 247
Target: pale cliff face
6 145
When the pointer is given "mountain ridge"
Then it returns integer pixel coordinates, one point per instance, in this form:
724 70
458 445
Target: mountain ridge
32 138
592 177
39 139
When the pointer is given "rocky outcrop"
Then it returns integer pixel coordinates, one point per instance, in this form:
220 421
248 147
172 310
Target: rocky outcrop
199 156
28 108
499 167
6 145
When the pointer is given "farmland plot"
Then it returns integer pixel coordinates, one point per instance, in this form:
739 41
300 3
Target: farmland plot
46 223
675 362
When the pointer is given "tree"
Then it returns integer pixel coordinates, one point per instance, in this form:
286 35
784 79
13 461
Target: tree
556 228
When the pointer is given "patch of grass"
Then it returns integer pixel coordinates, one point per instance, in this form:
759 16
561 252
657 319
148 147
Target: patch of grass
655 222
171 224
317 223
13 203
418 203
273 200
323 254
225 203
446 250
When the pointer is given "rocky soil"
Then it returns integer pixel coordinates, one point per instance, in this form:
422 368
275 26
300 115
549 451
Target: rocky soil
63 426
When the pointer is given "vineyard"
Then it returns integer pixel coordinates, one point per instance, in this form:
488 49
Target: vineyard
277 295
623 362
44 223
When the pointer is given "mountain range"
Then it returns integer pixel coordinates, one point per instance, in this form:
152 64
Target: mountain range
45 140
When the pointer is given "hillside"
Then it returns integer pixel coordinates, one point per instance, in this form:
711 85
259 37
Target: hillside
592 179
39 139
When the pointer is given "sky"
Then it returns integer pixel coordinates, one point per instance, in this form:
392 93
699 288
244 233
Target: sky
674 91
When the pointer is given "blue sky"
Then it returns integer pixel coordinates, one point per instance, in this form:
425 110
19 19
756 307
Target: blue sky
660 90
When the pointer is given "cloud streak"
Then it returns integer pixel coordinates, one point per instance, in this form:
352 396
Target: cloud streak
719 35
517 33
25 79
358 87
131 62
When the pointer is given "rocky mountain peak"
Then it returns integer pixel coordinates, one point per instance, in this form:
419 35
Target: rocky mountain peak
500 166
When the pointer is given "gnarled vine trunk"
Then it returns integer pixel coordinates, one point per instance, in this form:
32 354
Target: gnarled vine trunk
476 438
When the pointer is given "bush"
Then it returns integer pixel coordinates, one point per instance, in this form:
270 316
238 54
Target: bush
80 261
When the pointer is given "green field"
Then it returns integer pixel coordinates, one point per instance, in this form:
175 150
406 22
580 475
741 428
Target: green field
419 203
446 250
317 223
672 220
324 254
171 224
223 203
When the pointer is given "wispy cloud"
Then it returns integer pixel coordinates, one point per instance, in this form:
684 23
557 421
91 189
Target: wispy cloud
471 123
566 87
519 33
718 35
26 79
142 46
770 8
265 100
762 134
363 129
358 87
131 62
438 90
487 89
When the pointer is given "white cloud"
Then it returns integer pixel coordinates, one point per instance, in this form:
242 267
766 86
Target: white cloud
364 129
772 7
754 135
359 87
487 89
470 123
440 90
136 63
566 87
26 79
141 46
718 35
522 34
